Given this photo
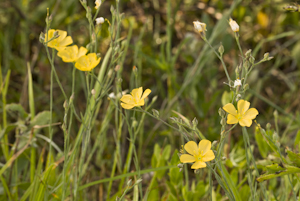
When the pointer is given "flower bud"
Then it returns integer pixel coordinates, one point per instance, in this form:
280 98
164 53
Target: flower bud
214 143
134 123
135 70
221 49
65 104
93 92
155 113
195 122
199 26
237 82
154 99
138 181
99 20
248 53
234 26
180 165
266 55
42 37
129 182
251 59
246 87
221 112
275 113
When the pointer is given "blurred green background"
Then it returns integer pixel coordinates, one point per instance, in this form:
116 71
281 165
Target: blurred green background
171 59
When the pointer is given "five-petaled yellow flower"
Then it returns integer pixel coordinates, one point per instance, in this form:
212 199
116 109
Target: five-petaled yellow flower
87 62
198 154
243 115
60 42
135 99
71 53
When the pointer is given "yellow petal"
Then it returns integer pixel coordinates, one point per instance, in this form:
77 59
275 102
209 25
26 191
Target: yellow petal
69 54
198 164
191 147
243 106
50 35
82 51
208 156
93 60
245 122
205 146
186 158
62 34
87 62
81 64
65 42
127 99
126 106
146 93
137 93
251 114
231 119
140 103
230 109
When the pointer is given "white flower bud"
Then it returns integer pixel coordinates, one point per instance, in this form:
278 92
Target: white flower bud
100 20
98 4
234 26
237 82
199 26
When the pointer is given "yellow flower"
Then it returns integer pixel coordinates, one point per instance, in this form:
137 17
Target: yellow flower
243 115
98 3
87 62
59 43
199 26
234 26
71 53
197 154
135 99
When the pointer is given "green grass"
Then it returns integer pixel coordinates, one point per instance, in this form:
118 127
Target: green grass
63 138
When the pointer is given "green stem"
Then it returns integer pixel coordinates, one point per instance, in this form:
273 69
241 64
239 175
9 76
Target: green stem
221 59
247 149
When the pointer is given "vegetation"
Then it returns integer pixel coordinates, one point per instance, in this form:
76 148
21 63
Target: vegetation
149 100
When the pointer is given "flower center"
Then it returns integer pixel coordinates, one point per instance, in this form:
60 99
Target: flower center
239 116
198 156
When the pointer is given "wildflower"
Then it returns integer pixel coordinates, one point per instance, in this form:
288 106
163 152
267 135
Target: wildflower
98 3
87 62
237 82
71 53
234 26
199 26
60 42
135 99
243 115
99 20
197 154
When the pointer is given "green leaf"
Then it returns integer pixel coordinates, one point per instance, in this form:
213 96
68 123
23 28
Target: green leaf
297 141
274 168
16 109
288 170
262 144
226 97
40 119
295 158
166 153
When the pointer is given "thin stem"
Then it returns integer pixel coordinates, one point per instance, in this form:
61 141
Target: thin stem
221 59
141 110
